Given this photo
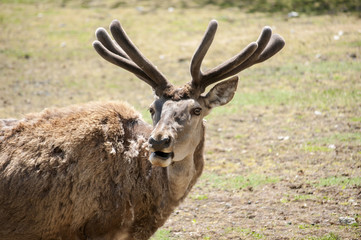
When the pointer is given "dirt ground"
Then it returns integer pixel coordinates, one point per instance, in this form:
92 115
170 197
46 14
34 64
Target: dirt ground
283 159
292 207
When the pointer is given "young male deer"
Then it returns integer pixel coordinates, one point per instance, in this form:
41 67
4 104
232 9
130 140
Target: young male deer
98 171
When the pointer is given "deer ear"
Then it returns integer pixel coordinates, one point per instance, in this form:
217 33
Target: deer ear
221 93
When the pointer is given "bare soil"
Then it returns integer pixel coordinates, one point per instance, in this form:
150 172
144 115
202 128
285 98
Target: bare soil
295 207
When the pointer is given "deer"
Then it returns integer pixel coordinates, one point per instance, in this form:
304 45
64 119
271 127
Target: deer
97 170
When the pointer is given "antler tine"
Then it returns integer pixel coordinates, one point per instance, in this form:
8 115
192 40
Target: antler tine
103 37
262 42
213 74
123 63
274 46
268 45
253 53
137 57
201 51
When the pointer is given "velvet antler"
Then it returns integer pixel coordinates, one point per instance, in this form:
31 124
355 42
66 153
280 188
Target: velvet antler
126 55
265 47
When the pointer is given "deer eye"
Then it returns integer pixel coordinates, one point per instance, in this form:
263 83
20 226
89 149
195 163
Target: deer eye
152 111
197 111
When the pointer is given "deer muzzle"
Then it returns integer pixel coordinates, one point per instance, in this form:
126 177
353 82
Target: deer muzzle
161 151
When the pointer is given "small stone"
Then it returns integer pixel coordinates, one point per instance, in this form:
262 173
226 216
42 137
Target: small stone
332 146
283 138
293 14
346 220
317 113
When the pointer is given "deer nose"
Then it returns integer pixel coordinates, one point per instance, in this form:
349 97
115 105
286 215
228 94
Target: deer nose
160 144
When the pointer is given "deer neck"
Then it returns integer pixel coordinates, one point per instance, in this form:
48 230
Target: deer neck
182 175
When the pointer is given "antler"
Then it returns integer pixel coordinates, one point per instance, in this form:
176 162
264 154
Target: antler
265 47
126 55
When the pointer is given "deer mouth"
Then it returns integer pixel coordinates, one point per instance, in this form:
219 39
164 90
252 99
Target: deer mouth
163 155
162 159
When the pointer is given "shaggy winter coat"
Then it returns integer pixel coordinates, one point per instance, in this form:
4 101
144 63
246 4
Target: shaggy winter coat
82 172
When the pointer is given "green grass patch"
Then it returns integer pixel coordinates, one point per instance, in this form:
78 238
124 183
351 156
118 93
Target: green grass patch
17 53
303 197
338 181
162 234
322 99
245 232
329 68
321 144
309 147
270 97
264 98
214 180
307 226
355 119
199 197
329 236
346 137
22 1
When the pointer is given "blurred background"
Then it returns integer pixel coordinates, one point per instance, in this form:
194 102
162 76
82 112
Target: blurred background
283 158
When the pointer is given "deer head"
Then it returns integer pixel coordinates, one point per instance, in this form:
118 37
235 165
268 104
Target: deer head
177 113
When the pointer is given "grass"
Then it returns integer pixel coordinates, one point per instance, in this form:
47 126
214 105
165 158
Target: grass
246 232
328 144
346 137
329 236
199 197
315 148
161 234
302 197
355 119
339 181
316 94
234 182
306 226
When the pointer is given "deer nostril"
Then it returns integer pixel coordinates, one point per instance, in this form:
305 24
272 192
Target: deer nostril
160 144
151 141
166 140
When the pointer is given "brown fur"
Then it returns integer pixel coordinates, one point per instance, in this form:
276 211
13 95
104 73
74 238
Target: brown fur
83 173
176 94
